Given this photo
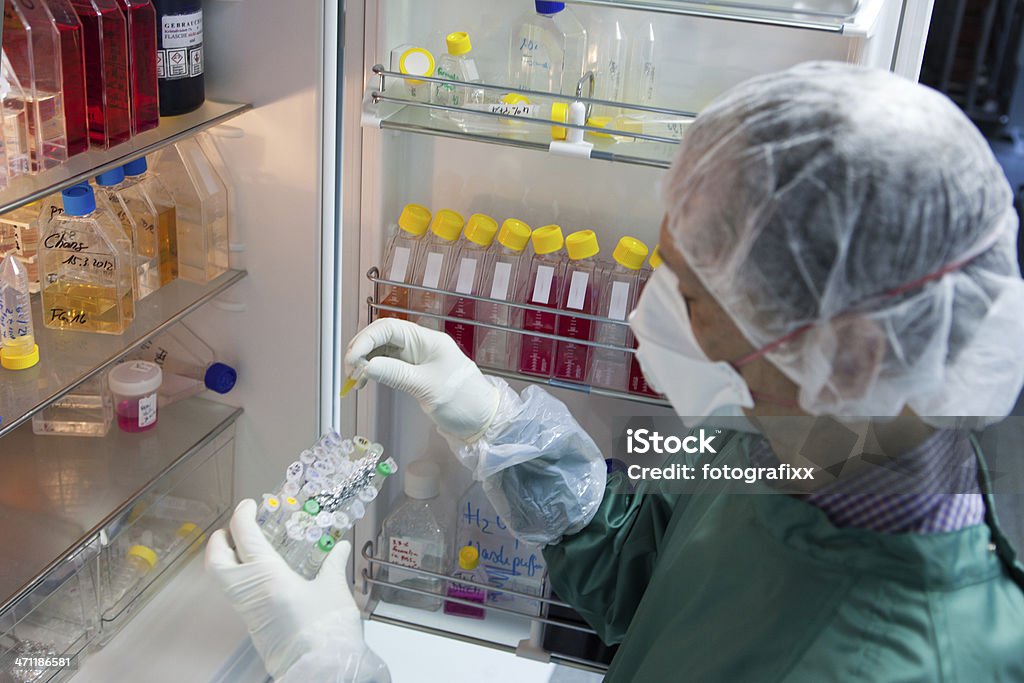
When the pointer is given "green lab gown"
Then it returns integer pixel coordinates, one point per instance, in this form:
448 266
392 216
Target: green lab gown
763 588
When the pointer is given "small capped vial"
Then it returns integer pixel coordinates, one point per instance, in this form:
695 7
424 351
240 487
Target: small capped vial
19 351
134 385
361 445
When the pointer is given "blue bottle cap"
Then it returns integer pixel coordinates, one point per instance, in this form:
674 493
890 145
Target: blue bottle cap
136 167
549 7
79 200
111 177
220 378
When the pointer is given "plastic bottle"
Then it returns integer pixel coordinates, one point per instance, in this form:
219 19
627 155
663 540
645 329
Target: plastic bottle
519 106
105 38
134 385
140 19
456 65
201 198
641 79
501 276
180 57
609 59
155 201
542 287
23 225
189 365
72 60
417 535
572 361
19 350
86 268
86 411
637 381
32 45
433 265
471 262
468 569
130 577
413 61
17 145
547 50
139 223
402 254
660 125
610 369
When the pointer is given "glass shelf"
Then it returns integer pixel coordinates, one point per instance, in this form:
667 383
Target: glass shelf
816 15
69 358
58 491
25 189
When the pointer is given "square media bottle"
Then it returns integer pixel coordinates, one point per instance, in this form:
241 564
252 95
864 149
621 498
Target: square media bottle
105 38
433 266
502 275
542 287
466 277
582 282
402 252
140 20
72 59
610 369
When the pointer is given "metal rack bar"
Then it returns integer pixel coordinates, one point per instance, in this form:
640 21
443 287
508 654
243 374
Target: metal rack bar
830 23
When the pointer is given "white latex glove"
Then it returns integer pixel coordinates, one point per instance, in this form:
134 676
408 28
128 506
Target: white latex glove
430 367
311 625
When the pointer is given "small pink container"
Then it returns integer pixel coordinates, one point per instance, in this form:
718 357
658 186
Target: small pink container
134 385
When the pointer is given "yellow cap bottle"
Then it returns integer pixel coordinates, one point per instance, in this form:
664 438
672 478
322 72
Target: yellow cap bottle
447 225
469 558
630 253
415 219
582 244
655 258
458 43
514 235
547 240
481 229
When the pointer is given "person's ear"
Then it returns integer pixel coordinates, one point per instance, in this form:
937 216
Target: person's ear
860 348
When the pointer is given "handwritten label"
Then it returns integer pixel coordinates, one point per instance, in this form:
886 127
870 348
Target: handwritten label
432 273
467 274
542 285
147 410
619 301
502 278
65 240
15 314
399 264
524 110
578 290
406 552
68 317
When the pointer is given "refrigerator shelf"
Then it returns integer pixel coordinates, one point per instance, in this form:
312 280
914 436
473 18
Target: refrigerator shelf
92 162
375 308
817 15
69 358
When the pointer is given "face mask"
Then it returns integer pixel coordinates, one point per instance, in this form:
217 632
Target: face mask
674 363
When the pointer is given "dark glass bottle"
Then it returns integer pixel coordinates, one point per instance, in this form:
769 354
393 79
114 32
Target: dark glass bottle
179 28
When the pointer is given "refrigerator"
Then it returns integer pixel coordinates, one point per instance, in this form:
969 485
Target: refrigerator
321 166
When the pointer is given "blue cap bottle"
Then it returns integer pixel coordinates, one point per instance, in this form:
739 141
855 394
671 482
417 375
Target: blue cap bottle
111 177
136 167
79 200
220 378
549 7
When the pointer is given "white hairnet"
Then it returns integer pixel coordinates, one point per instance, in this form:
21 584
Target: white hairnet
858 226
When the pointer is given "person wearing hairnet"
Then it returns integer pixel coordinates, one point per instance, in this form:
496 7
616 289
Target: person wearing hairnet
838 241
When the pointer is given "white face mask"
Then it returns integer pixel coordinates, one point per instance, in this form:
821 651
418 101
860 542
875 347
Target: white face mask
674 363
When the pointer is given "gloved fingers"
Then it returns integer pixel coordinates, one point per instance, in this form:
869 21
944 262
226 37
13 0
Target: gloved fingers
220 556
395 373
377 335
333 570
250 543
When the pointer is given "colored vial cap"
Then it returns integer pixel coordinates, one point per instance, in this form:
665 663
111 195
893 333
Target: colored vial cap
582 244
469 557
514 235
326 543
135 378
599 122
514 98
559 114
547 240
416 62
630 253
187 529
415 219
311 507
19 361
656 258
136 167
549 7
447 225
422 480
144 554
220 378
458 43
79 200
481 229
111 177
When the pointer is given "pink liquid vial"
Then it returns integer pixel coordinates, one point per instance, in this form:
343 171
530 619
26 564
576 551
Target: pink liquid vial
140 17
572 361
106 71
542 288
134 386
72 59
469 569
471 261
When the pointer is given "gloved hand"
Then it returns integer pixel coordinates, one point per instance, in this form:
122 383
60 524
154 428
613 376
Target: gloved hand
429 366
300 628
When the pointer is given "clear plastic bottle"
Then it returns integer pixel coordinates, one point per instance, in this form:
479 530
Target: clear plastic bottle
138 222
87 411
140 20
637 381
548 49
660 125
610 369
582 282
468 569
641 79
417 535
154 200
542 287
189 365
401 256
18 350
433 265
129 578
609 58
466 277
201 198
86 268
17 144
501 276
72 59
413 61
456 65
105 38
22 225
32 44
519 106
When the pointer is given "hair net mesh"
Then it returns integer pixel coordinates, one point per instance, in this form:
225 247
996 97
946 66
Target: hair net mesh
833 197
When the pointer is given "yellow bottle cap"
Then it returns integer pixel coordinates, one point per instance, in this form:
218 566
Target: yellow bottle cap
559 114
655 258
23 361
547 240
415 219
630 253
447 225
599 122
469 557
458 43
582 244
481 229
187 529
417 62
144 554
515 98
514 235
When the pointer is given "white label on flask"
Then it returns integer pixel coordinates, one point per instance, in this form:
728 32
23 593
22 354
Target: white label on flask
205 172
399 264
542 285
467 273
502 278
147 410
619 301
432 274
406 552
472 74
181 30
514 109
578 290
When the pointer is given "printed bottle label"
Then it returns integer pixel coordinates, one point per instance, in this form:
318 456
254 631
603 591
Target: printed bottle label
181 51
